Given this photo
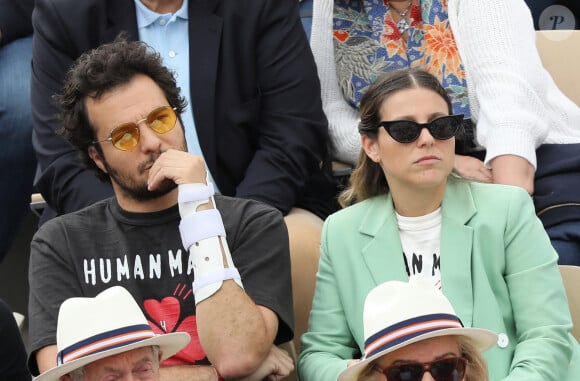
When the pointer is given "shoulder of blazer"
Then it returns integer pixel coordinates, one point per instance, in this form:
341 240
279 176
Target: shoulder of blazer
463 199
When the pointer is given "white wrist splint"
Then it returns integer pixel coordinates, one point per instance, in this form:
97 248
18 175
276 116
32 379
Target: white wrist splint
203 235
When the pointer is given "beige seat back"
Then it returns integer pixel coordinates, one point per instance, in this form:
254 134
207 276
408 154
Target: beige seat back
571 277
560 53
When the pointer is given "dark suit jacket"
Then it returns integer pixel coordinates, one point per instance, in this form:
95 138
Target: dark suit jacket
254 93
15 19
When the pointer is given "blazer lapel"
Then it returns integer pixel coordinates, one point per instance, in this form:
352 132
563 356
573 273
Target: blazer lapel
456 247
205 29
122 17
383 255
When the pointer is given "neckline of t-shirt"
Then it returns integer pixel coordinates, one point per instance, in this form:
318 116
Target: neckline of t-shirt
143 218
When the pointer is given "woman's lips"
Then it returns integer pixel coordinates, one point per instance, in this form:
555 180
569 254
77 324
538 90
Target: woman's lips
428 159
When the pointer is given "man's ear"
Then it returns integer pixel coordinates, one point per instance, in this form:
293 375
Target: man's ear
371 148
96 157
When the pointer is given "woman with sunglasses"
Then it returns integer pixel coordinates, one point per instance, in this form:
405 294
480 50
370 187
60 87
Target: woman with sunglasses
520 128
411 330
481 244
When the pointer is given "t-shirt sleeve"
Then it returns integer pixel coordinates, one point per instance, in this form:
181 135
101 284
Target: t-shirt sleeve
258 240
52 280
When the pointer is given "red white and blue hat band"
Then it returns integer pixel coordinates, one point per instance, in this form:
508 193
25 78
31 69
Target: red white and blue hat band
104 342
407 330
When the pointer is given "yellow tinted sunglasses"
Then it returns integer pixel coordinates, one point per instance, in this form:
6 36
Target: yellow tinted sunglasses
126 136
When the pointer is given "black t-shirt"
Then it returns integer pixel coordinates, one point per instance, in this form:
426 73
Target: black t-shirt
86 252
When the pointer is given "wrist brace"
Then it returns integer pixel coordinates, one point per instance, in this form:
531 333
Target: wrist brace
191 196
203 235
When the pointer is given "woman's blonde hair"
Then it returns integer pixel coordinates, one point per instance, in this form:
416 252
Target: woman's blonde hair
476 365
368 180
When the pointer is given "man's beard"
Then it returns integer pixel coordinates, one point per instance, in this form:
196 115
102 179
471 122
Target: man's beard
138 190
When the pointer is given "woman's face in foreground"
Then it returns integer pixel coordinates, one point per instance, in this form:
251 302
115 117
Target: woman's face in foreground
422 164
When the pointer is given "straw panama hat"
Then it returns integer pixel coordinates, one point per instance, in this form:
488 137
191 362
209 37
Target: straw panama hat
90 329
397 314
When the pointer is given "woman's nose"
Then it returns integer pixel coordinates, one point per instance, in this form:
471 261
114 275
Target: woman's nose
425 137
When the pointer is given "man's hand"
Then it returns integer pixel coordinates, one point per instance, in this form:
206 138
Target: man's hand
177 166
513 170
471 168
277 365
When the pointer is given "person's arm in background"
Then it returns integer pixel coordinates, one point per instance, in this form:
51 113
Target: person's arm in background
15 20
513 170
292 134
342 117
63 181
508 83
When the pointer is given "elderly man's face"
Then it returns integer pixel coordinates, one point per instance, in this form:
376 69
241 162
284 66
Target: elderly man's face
137 364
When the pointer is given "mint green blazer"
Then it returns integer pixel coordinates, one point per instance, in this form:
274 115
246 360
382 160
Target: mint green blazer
498 269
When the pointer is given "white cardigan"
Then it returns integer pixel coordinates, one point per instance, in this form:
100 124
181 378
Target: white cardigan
514 101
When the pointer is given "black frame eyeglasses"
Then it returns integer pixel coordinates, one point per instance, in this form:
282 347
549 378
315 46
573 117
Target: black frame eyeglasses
407 131
126 136
445 369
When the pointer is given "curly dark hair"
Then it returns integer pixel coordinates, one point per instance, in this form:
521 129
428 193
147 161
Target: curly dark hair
99 71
